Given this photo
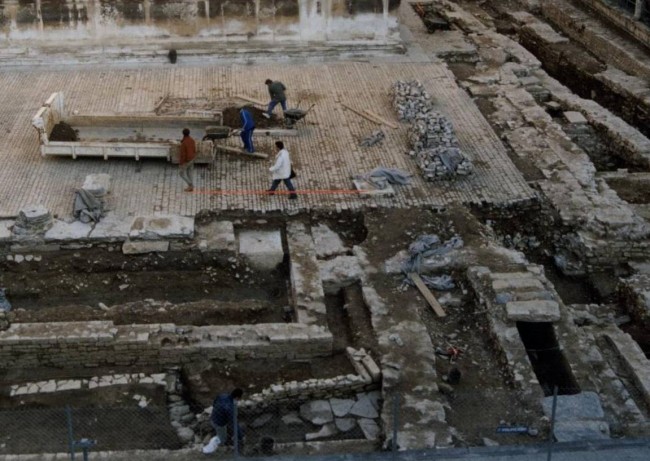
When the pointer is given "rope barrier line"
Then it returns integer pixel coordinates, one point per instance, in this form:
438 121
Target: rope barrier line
277 192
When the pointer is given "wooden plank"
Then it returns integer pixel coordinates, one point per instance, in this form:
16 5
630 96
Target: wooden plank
254 101
276 132
234 150
382 120
160 103
433 302
361 114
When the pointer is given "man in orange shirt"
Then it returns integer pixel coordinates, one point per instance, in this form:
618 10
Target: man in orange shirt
186 161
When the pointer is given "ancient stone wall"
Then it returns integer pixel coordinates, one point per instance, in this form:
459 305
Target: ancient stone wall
637 29
92 344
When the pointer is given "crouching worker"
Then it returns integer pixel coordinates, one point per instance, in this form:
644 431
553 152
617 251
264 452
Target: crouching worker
222 418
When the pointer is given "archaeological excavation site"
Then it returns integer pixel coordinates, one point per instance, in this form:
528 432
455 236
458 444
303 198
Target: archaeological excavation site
462 270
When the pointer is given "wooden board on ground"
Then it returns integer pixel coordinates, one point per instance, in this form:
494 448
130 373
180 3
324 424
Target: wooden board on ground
254 101
433 302
276 132
380 119
361 114
235 150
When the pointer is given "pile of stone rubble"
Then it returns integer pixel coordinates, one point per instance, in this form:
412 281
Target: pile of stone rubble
33 220
431 135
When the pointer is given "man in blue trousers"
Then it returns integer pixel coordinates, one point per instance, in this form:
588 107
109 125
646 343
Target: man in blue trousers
222 417
248 126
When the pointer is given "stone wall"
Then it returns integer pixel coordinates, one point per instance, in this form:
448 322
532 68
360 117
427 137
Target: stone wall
635 28
635 296
594 39
99 343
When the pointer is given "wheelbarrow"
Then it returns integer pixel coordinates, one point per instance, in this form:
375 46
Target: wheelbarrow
291 116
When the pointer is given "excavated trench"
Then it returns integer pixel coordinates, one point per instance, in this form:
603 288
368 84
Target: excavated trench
185 288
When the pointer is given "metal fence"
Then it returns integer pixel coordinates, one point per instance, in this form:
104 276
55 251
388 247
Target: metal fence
481 416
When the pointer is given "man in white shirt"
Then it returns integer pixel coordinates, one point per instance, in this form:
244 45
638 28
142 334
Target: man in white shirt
281 171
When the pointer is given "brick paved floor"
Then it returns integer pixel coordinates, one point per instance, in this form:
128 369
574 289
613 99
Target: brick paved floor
326 152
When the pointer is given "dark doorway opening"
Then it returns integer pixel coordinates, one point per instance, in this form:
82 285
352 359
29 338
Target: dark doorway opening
549 364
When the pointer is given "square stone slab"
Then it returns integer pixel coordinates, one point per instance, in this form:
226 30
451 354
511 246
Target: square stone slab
217 236
538 310
161 227
63 231
575 117
262 248
5 233
113 227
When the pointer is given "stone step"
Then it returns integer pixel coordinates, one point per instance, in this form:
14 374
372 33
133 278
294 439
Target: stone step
533 311
517 284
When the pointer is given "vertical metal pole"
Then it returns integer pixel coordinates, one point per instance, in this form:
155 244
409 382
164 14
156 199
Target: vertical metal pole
235 429
395 423
550 435
68 416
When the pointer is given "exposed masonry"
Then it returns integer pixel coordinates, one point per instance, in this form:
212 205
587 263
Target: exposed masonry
635 293
608 231
537 301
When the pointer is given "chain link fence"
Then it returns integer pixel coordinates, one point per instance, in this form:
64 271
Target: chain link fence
461 417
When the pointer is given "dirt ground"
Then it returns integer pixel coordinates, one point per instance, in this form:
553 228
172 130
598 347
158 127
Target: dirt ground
110 415
174 286
63 132
482 384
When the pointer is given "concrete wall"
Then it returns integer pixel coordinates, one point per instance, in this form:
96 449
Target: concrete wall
94 21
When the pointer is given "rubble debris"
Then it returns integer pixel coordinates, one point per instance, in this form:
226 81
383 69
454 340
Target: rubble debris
376 137
431 135
33 220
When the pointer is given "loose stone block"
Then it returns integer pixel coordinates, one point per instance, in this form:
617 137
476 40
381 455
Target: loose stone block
517 284
262 248
112 227
582 406
341 407
317 412
5 233
144 246
575 117
97 184
157 227
533 311
217 236
327 242
364 408
62 231
369 428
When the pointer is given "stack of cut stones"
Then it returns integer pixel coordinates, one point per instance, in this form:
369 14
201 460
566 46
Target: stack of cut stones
33 220
433 142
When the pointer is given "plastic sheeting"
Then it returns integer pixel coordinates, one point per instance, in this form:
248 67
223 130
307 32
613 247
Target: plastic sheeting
86 207
428 246
380 176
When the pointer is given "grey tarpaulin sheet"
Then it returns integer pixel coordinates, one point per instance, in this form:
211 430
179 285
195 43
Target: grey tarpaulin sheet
427 246
86 207
380 176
